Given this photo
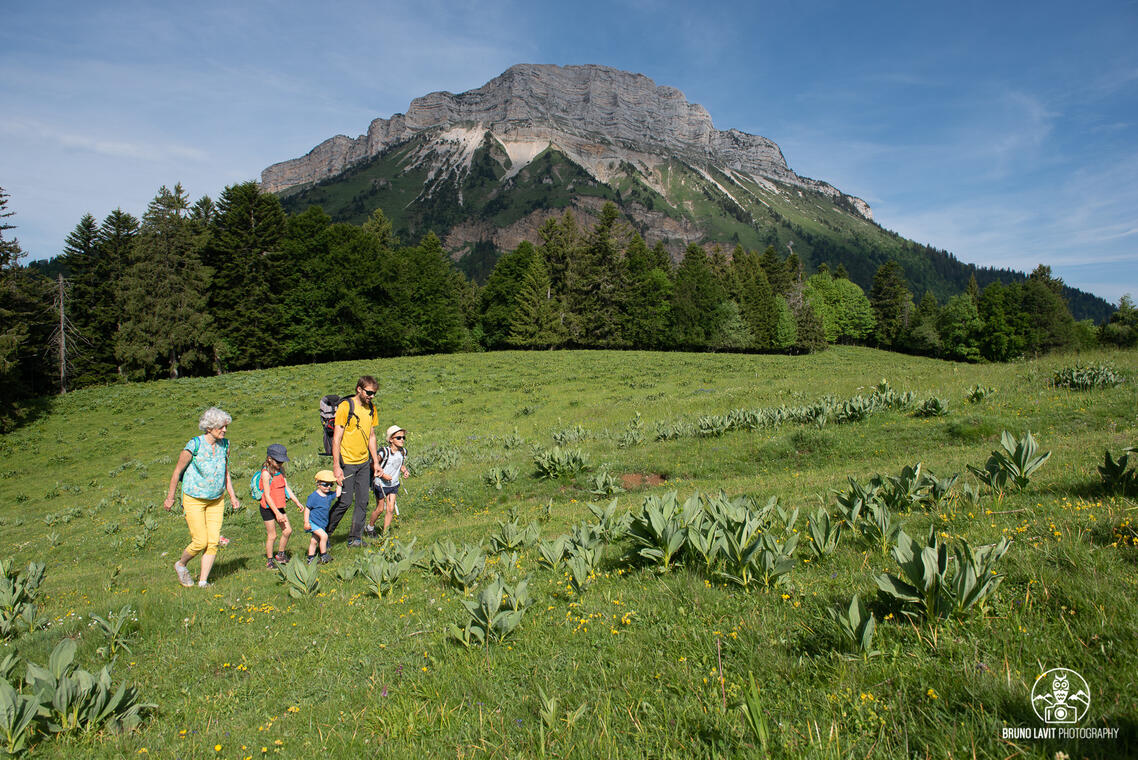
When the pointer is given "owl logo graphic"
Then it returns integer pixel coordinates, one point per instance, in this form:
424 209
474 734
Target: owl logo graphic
1060 696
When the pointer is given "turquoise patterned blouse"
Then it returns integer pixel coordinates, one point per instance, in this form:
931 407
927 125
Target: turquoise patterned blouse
204 477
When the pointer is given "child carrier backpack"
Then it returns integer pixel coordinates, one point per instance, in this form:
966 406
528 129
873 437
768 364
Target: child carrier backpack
328 406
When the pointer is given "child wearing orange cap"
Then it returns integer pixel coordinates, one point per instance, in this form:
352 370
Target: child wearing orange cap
316 510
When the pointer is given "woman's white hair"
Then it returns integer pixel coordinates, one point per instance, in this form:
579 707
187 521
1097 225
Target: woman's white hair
212 419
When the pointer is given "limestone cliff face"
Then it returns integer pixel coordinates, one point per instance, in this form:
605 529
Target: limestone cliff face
598 116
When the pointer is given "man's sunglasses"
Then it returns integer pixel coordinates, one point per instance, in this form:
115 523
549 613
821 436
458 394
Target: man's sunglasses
369 394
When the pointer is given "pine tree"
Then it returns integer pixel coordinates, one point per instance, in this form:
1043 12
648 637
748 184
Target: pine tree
536 322
924 333
1122 328
1000 339
756 299
116 242
892 305
243 252
596 285
1050 324
646 308
166 327
430 290
960 328
24 327
778 275
786 328
696 301
498 300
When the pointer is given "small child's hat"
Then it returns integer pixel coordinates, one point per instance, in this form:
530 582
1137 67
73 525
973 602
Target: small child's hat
392 431
325 476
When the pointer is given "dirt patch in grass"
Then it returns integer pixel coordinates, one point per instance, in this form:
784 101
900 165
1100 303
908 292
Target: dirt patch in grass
632 481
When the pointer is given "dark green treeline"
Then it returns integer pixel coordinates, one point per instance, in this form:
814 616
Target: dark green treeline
237 284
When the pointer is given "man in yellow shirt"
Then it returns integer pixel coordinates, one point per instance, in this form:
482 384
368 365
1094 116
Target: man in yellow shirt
354 458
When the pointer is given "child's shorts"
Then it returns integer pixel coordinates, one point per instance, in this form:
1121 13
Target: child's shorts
382 490
267 514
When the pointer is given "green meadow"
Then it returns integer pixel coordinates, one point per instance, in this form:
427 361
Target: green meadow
624 659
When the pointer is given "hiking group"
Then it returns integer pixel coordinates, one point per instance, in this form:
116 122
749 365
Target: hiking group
358 468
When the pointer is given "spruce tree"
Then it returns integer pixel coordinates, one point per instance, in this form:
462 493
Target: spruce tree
646 308
25 325
166 328
430 291
960 328
756 299
596 285
243 251
696 301
892 305
1050 324
778 275
79 299
535 322
498 300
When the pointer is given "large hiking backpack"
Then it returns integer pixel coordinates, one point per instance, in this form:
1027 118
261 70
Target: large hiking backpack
328 406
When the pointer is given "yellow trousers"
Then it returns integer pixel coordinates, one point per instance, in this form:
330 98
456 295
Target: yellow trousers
204 519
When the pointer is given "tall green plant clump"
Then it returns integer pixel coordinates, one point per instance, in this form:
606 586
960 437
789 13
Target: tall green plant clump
935 586
1014 462
19 593
730 539
62 698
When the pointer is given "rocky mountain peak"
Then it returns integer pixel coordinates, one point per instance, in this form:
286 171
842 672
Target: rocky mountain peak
600 117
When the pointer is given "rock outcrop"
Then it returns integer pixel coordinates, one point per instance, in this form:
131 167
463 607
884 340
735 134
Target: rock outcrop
599 117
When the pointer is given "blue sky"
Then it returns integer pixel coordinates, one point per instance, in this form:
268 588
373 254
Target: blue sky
1006 133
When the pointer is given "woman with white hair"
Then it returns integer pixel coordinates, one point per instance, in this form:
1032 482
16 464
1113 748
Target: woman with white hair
203 470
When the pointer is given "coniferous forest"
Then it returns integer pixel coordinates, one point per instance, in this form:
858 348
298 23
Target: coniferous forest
212 287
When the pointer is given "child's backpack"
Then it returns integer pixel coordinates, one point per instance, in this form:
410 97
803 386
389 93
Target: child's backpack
385 454
255 485
328 406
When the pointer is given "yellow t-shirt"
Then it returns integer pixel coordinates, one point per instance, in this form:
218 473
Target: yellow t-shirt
357 431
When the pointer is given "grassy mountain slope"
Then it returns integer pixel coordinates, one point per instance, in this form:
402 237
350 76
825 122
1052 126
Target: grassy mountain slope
243 665
481 208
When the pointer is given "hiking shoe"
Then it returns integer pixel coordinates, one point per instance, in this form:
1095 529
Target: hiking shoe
281 558
325 558
222 541
270 565
369 530
355 543
309 558
184 576
204 584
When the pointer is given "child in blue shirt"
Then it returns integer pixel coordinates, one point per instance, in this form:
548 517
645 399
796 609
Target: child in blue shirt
316 510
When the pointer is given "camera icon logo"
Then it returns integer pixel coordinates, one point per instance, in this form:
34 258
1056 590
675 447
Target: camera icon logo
1060 696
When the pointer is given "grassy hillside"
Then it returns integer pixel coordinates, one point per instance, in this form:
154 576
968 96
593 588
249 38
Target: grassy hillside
640 663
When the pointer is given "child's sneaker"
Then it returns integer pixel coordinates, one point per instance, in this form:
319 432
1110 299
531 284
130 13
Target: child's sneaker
369 530
222 541
184 576
281 558
325 558
204 584
309 558
270 565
